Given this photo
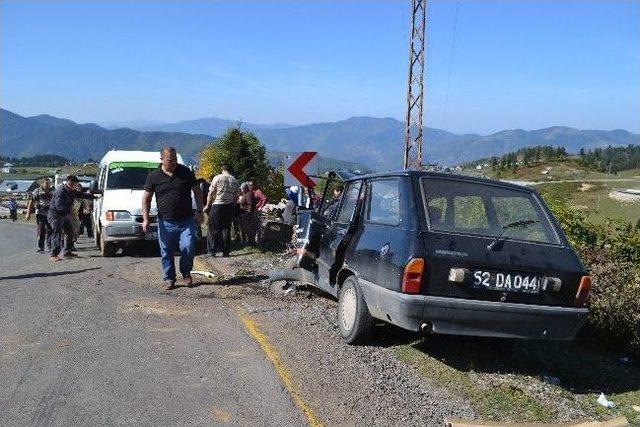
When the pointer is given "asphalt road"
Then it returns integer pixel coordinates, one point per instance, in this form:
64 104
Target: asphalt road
97 341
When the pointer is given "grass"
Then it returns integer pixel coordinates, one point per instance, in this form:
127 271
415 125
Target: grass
505 384
28 172
593 199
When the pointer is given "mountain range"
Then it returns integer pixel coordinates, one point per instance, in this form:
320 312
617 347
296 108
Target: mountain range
207 126
374 142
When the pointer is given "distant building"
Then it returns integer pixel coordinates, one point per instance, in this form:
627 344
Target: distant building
7 168
18 186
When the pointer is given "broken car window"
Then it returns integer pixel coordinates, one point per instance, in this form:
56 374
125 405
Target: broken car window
384 202
349 201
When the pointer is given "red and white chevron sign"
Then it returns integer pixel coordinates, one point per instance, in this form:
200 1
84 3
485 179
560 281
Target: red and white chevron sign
294 165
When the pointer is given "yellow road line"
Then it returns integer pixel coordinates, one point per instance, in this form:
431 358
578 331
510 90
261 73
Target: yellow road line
281 369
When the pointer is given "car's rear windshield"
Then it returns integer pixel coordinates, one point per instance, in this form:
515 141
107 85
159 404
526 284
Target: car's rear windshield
484 209
129 175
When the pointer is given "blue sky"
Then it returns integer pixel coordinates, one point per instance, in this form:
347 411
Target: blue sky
515 64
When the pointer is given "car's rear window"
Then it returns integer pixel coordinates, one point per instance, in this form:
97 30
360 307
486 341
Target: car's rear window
486 210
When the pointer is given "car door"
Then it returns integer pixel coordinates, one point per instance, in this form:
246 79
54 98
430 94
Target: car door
338 234
383 242
97 205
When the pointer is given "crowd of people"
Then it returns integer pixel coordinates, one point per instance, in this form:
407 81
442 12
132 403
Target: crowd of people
229 204
233 209
60 216
63 213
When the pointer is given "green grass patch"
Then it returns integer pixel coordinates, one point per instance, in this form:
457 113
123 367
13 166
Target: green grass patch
504 402
505 384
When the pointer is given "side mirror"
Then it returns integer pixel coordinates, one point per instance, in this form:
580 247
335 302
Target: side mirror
93 187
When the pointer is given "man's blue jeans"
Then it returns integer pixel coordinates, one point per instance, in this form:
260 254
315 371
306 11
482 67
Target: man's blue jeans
180 233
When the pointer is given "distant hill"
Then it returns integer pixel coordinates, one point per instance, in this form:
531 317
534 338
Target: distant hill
379 142
376 143
27 136
276 158
208 126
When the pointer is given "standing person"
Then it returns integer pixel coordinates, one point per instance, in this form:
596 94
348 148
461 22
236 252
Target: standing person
86 208
58 216
75 216
247 215
221 203
13 209
172 185
332 207
41 198
261 199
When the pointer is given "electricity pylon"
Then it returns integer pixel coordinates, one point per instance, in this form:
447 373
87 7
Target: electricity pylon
415 88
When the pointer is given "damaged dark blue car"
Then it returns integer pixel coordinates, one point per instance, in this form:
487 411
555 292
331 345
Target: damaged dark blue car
445 254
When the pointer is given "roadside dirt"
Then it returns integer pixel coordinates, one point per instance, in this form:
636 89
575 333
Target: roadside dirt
404 378
345 385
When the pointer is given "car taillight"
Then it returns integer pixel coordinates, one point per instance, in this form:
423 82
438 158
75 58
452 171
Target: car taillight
583 291
109 216
412 278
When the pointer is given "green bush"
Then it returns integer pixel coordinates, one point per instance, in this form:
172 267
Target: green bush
614 317
611 253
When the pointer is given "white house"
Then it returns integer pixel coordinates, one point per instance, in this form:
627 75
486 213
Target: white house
7 168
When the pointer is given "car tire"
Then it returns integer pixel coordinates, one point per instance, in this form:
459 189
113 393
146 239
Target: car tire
107 249
354 320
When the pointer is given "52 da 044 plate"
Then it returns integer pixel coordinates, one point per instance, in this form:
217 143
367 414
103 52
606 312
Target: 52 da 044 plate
507 282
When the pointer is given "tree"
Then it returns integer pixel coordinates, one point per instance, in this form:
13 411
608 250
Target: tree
241 151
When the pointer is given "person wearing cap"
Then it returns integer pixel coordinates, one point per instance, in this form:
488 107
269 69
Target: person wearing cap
58 216
41 198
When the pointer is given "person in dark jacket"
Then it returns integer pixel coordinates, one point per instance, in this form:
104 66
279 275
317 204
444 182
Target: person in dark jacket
13 209
59 210
332 208
40 200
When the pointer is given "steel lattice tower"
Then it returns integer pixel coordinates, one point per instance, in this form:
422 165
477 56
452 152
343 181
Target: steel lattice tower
415 87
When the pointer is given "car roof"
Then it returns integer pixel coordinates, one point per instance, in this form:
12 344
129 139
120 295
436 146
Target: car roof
133 156
440 175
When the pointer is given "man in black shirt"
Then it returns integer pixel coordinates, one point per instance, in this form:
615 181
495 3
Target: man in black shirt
172 185
59 210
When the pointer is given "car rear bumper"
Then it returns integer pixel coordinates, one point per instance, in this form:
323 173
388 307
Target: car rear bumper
129 231
457 316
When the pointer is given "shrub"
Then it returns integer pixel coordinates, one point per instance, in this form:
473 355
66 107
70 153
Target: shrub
611 254
614 317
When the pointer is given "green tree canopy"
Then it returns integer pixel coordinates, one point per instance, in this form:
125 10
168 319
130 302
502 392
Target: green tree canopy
241 151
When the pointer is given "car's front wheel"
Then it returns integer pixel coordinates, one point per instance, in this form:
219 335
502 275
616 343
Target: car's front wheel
354 320
107 249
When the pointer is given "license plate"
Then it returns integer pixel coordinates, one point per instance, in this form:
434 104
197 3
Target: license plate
152 235
507 282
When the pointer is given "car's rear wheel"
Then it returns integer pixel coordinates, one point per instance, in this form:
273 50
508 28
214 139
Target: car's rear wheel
107 249
354 320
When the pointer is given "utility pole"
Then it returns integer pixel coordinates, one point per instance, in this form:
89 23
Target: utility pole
415 89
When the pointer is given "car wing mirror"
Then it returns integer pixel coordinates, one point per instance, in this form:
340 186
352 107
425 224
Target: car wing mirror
93 187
